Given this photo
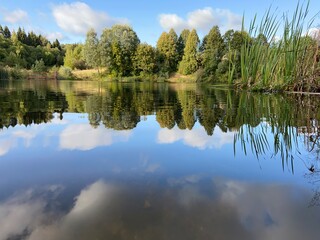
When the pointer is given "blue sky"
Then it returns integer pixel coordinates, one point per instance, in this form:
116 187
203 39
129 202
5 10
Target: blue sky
69 20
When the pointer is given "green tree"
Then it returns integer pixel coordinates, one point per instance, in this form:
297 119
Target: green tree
39 66
182 42
33 39
189 63
22 36
227 37
56 44
6 32
118 47
262 39
233 41
43 41
168 50
90 49
212 52
74 56
145 60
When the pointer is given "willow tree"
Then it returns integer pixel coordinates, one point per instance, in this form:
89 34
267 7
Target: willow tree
189 63
118 47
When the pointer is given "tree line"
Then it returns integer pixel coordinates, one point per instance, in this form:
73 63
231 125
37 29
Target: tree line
255 59
27 49
249 59
120 53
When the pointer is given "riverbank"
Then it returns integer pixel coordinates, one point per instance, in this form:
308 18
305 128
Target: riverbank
97 74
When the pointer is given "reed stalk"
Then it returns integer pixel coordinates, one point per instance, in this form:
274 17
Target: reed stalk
278 64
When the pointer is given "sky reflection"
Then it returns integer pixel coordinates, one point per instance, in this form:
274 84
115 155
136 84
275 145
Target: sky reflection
189 207
83 137
196 137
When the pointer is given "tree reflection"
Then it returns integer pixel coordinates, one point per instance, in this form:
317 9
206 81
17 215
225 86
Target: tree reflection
263 123
29 107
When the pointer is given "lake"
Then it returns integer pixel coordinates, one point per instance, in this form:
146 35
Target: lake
94 160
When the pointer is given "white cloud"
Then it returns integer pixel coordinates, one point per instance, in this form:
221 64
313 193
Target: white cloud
78 18
84 137
196 138
55 35
202 19
168 21
15 16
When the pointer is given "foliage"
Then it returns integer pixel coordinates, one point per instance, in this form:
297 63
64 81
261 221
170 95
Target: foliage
24 49
212 51
168 51
74 58
39 66
65 73
90 50
250 59
145 60
189 63
15 73
182 42
287 63
117 48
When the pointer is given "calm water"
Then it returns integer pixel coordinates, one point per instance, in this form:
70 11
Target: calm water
84 160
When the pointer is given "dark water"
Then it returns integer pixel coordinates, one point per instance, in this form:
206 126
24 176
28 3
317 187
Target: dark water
84 160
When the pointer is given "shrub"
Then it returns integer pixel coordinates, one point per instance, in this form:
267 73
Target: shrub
39 66
65 73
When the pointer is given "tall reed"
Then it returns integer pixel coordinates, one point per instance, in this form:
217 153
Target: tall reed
279 64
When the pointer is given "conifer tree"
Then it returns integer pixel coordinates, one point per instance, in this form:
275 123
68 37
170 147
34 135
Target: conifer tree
189 63
145 60
182 42
212 51
6 32
168 50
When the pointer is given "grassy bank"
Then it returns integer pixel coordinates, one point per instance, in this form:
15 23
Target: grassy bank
95 74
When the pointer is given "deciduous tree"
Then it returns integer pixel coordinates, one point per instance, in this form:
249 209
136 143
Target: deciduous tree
91 51
118 46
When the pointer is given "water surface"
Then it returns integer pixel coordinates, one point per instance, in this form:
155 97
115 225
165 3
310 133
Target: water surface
90 160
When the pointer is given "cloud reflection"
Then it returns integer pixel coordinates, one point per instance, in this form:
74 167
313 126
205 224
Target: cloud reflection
197 138
9 140
187 208
84 137
25 211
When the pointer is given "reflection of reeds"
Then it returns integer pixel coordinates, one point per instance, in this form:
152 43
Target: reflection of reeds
270 124
289 62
